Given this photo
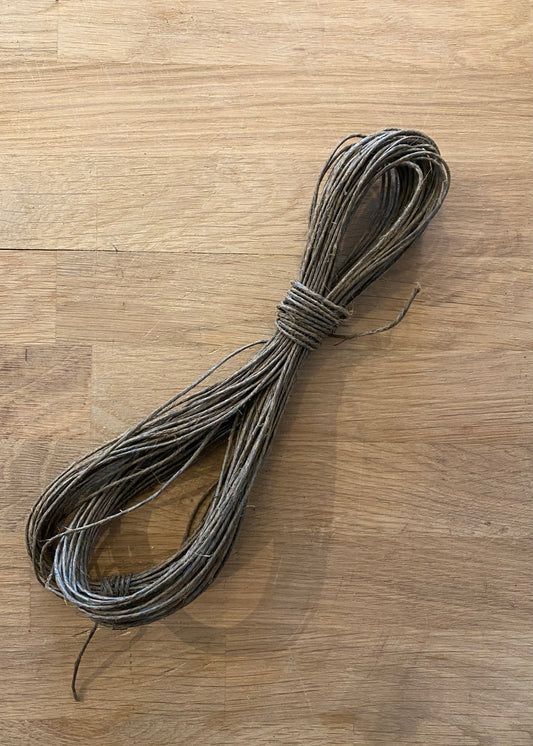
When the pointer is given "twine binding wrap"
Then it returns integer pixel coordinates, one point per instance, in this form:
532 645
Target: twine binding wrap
306 317
245 407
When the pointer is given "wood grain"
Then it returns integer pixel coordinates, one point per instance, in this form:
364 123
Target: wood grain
157 164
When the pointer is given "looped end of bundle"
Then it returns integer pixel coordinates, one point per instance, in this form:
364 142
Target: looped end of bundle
306 317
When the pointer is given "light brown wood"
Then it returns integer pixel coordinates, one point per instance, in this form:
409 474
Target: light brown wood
157 160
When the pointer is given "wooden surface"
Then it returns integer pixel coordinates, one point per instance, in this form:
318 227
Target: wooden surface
157 160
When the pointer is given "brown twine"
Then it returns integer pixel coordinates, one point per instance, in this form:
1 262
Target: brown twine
245 407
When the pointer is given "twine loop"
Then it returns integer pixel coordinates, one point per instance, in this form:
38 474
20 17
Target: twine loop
306 317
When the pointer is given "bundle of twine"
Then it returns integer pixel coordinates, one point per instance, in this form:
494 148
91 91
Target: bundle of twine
245 407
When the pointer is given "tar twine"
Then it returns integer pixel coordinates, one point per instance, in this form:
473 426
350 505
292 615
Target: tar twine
245 407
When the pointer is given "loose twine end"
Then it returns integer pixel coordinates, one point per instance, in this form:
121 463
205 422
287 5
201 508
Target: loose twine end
401 315
78 661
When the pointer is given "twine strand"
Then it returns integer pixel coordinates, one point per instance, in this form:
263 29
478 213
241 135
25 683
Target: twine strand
78 661
380 329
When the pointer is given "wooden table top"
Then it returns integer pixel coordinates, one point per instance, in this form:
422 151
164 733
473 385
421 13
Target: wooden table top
157 163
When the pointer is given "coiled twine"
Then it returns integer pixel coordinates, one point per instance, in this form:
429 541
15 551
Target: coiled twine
245 407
